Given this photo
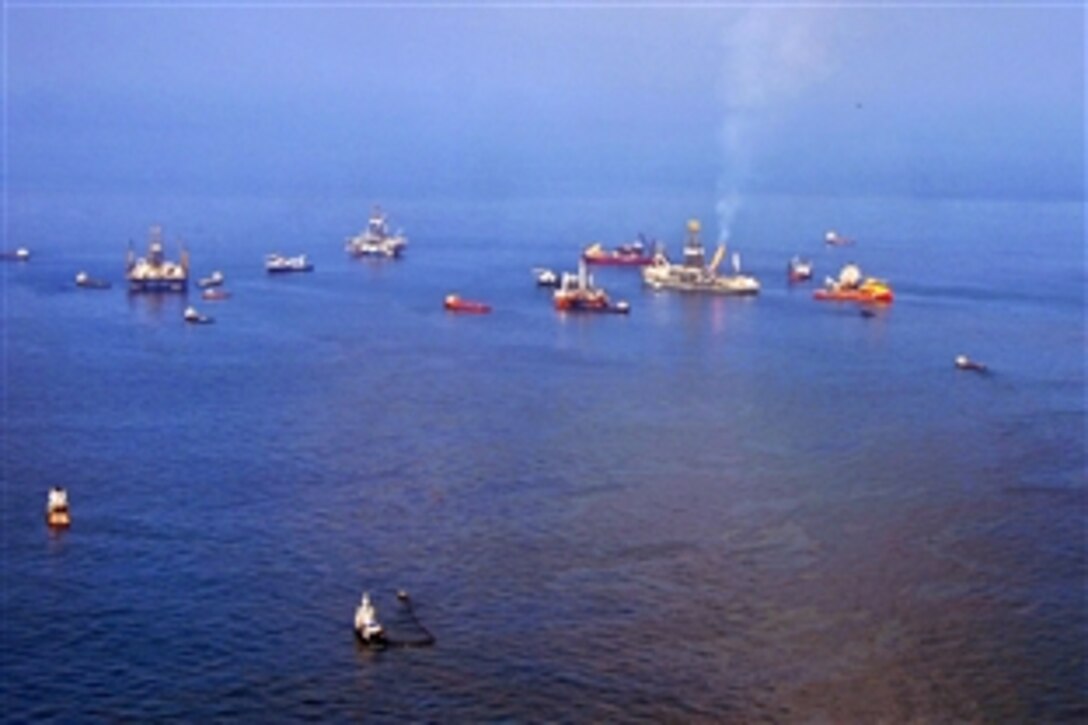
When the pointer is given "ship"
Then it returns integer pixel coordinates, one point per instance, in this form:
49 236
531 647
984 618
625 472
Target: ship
799 270
693 274
577 293
276 263
376 240
853 286
632 254
155 273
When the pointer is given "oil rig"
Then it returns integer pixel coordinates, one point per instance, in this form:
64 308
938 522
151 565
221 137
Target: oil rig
155 273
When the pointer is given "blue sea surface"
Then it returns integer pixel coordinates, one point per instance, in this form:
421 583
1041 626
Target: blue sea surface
714 508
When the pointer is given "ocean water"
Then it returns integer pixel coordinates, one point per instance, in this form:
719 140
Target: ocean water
711 509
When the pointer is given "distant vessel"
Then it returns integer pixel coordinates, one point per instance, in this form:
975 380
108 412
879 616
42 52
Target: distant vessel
834 239
216 293
276 263
195 318
367 627
965 363
375 240
212 280
545 277
799 270
577 293
456 303
631 254
154 273
56 508
851 286
87 282
22 254
694 274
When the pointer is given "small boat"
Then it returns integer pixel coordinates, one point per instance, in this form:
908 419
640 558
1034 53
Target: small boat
633 254
799 270
57 514
22 254
367 627
277 264
545 277
215 295
195 318
852 287
376 240
834 239
212 280
85 281
965 363
577 293
455 303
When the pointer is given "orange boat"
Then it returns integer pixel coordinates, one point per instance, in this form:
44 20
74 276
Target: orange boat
455 303
871 290
577 293
626 255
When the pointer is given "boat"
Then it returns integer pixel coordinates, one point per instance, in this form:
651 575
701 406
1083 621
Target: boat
799 270
633 254
367 627
85 281
57 514
22 254
577 293
195 318
215 294
545 277
693 274
965 363
155 273
212 280
834 239
851 286
276 263
376 240
456 303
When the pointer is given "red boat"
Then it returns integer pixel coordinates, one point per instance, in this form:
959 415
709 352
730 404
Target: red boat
632 255
215 294
454 303
577 293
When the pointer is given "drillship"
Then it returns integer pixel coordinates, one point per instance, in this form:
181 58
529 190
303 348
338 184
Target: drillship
155 273
694 274
376 240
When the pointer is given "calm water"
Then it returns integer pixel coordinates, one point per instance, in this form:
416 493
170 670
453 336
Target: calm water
713 509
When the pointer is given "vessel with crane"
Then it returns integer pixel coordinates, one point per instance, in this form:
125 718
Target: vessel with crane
693 274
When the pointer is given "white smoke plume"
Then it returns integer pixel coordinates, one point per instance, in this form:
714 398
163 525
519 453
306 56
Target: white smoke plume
772 55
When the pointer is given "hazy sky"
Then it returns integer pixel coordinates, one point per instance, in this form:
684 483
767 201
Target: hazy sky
986 100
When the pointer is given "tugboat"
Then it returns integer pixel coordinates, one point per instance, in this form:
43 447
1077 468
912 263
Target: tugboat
694 275
367 627
154 273
633 254
799 270
851 286
212 280
195 318
276 263
57 515
87 282
375 240
577 293
22 254
455 303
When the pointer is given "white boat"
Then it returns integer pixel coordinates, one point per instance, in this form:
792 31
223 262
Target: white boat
376 240
545 277
88 282
367 626
277 263
799 269
194 317
212 280
22 254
